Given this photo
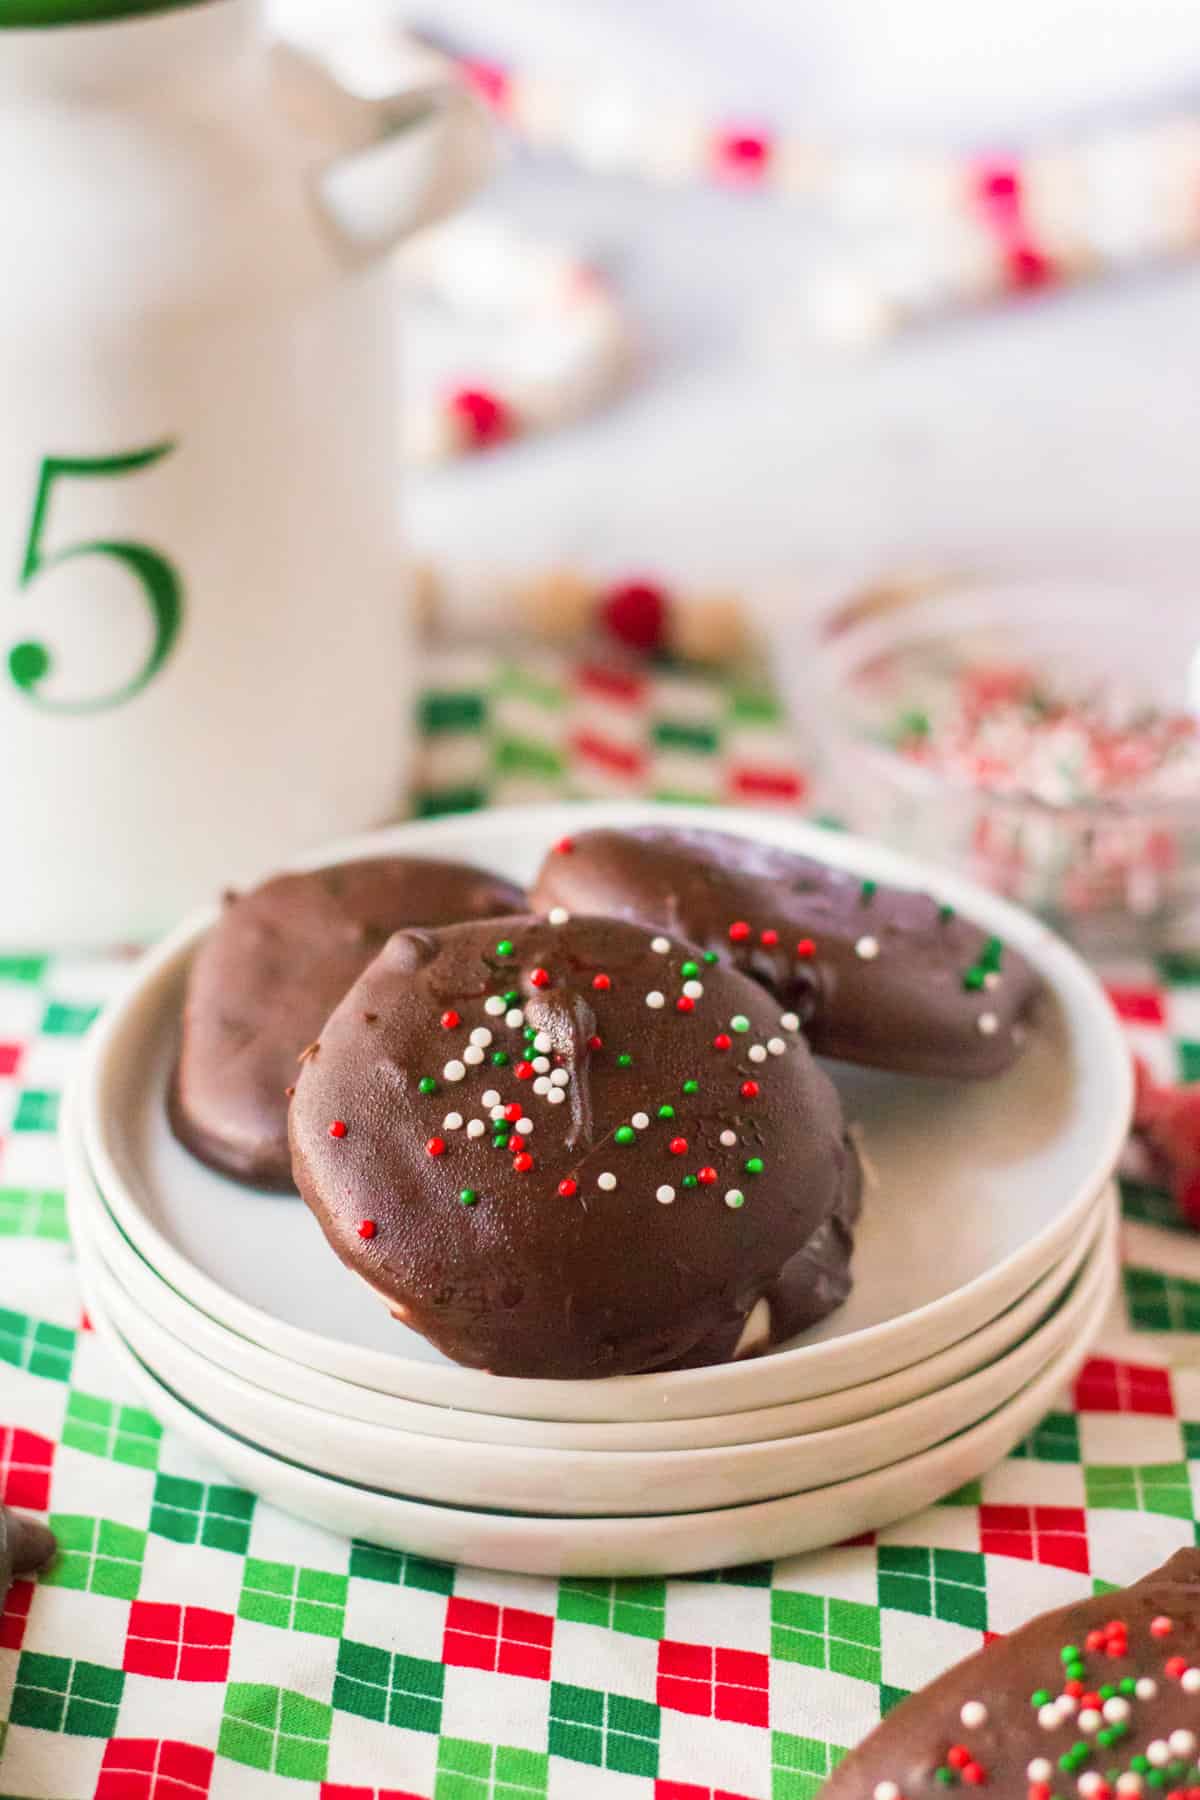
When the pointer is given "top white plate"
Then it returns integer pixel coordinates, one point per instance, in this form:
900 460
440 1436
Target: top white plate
979 1186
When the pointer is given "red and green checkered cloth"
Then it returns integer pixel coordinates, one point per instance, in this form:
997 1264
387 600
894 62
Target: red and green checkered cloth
191 1642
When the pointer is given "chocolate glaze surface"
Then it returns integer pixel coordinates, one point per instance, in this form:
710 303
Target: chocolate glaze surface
880 976
25 1545
548 1251
987 1723
268 975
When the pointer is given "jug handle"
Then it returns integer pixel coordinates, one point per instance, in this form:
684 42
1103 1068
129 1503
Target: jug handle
402 141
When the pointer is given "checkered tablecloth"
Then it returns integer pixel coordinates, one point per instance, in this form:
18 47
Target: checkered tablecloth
193 1642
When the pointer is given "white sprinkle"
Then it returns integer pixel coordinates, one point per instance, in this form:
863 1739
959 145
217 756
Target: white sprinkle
867 948
776 1046
452 1122
790 1021
541 1065
559 1078
886 1790
497 1112
991 981
541 1042
734 1198
1090 1720
1049 1717
606 1181
757 1053
729 1138
987 1024
1117 1708
542 1085
693 989
1157 1753
1189 1681
1040 1769
974 1714
454 1070
481 1035
524 1126
1090 1782
1129 1783
558 915
661 944
640 1121
1182 1743
514 1017
664 1195
654 999
475 1128
472 1056
494 1005
1146 1689
1066 1704
491 1098
556 1096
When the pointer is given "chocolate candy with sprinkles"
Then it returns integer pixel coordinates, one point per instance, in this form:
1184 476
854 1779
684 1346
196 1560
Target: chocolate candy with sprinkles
600 1219
1098 1700
875 975
266 978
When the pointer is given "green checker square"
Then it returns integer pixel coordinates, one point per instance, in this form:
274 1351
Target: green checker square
515 678
302 1759
302 1716
904 1559
681 734
416 1675
576 1705
317 1619
585 1602
1110 1487
969 1494
323 1586
638 1717
1179 968
90 1718
371 1562
802 1612
29 969
39 1696
430 1577
226 1519
960 1605
754 705
33 1213
800 1765
520 1772
265 1609
959 1565
52 1352
1151 1206
432 803
890 1697
464 1770
802 1647
442 710
855 1622
415 1712
1166 1488
631 1755
858 1661
577 1743
245 1743
794 1784
1189 1059
525 756
755 1575
1054 1439
906 1593
1191 1438
1159 1302
639 1607
364 1662
37 1110
92 1681
270 1577
61 1020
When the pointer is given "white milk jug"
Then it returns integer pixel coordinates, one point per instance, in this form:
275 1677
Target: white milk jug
203 660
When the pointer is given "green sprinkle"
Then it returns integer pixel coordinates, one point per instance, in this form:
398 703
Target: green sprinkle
529 1033
468 1196
1120 1729
1107 1691
1076 1672
1177 1770
625 1134
868 891
947 1777
689 1181
688 969
1128 1685
710 957
1156 1778
1105 1737
992 952
945 914
624 1061
500 1058
739 1022
512 998
505 947
1068 1654
500 1139
974 979
666 1111
427 1084
1139 1763
1040 1697
754 1165
691 1087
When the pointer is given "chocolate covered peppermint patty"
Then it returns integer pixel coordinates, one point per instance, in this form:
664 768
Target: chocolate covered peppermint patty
266 978
876 975
1095 1700
575 1147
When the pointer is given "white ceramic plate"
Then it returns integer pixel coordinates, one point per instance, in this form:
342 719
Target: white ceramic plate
595 1482
982 1186
671 1544
295 1381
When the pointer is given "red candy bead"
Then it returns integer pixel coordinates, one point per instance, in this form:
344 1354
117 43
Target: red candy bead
958 1756
749 1090
515 1141
678 1146
1095 1640
595 1043
436 1146
1160 1627
1175 1666
564 846
514 1111
742 155
524 1071
602 983
806 947
722 1041
685 1003
769 938
483 417
523 1163
975 1775
450 1019
338 1128
540 978
636 613
1037 1790
1090 1700
367 1228
706 1175
739 931
1074 1688
568 1186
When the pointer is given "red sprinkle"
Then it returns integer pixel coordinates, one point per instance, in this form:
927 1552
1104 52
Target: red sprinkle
1090 1700
685 1003
1074 1688
568 1186
770 938
523 1163
602 982
749 1090
707 1175
540 978
678 1146
1175 1667
1038 1790
338 1128
450 1019
564 846
483 416
958 1756
806 947
436 1146
515 1141
514 1111
722 1041
1160 1627
595 1043
975 1775
1095 1640
367 1228
524 1071
739 931
1118 1646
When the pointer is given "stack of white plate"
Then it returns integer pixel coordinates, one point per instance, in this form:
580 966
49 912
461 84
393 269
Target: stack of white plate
985 1264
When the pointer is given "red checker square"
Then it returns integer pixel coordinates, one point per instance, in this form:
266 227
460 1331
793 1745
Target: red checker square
337 1790
1005 1518
622 759
1007 1543
1060 1551
26 1464
992 1637
745 1668
1140 1006
173 1643
680 1695
10 1056
15 1616
613 684
524 1659
147 1769
1103 1385
687 1790
768 784
741 1705
527 1627
469 1650
692 1660
472 1615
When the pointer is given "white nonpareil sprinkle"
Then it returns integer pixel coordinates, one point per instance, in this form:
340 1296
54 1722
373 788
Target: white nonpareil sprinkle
494 1005
607 1181
472 1056
1090 1782
1117 1709
1189 1681
729 1138
542 1085
654 999
541 1065
454 1070
514 1017
491 1098
776 1046
558 915
640 1121
987 1024
1158 1754
1146 1689
974 1714
757 1053
1066 1704
524 1126
1049 1717
1129 1783
481 1035
734 1198
1182 1743
541 1042
475 1128
1090 1720
661 944
867 948
664 1195
886 1790
693 989
559 1078
452 1122
991 981
556 1096
790 1021
497 1112
1040 1769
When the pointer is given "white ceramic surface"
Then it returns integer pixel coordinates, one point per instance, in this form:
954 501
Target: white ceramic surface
595 1482
295 1381
666 1545
982 1187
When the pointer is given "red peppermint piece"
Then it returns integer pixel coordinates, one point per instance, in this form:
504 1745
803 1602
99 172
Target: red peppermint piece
338 1128
481 415
514 1111
1095 1640
595 1043
974 1774
1161 1627
366 1228
436 1146
564 846
636 613
1175 1667
515 1141
1074 1688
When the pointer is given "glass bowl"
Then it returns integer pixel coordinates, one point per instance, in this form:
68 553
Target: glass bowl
1039 735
